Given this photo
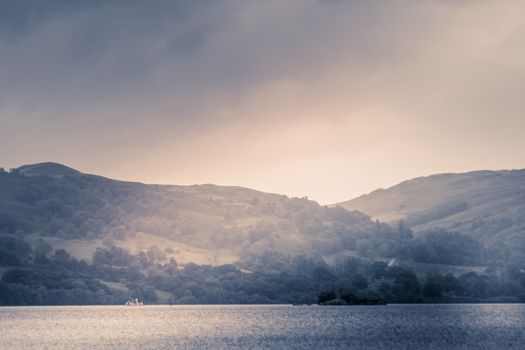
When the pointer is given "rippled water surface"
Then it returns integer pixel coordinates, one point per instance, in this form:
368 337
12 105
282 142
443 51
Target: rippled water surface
273 327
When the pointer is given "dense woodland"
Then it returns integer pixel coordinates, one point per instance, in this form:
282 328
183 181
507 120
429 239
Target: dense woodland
294 252
42 276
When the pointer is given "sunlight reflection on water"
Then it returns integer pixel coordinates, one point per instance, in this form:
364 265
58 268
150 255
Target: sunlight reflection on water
253 326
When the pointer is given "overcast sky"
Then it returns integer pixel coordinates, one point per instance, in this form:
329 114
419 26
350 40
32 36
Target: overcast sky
329 99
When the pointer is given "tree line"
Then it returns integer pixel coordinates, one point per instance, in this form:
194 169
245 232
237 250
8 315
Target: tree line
42 276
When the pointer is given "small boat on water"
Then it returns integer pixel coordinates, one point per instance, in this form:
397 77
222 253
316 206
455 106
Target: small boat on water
134 302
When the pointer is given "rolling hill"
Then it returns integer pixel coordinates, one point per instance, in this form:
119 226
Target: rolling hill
488 205
205 224
72 238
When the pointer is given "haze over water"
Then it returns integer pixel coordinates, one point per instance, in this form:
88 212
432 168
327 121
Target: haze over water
452 326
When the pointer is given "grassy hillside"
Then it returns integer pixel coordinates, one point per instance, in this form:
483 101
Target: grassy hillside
201 223
73 238
489 205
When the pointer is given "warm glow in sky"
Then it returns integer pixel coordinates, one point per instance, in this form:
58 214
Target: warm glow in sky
328 99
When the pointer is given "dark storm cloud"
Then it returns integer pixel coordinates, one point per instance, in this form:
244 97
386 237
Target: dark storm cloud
94 45
99 47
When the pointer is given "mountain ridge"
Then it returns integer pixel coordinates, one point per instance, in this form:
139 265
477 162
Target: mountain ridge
49 200
489 205
69 237
46 168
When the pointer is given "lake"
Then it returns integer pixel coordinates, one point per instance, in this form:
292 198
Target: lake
452 326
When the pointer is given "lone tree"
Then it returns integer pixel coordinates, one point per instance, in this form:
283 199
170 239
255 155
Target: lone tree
405 233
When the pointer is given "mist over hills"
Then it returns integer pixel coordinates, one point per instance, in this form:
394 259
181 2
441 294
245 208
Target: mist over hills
488 205
52 200
67 237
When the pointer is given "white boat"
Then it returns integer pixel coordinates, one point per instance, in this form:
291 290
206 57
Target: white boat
134 302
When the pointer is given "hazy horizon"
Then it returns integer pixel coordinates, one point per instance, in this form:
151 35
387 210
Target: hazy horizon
257 189
325 99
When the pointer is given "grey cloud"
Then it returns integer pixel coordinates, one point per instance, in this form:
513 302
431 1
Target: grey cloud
136 72
178 53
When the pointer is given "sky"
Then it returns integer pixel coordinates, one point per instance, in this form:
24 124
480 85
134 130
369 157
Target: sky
328 99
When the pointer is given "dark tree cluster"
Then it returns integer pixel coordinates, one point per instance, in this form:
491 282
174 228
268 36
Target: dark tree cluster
56 280
448 248
43 276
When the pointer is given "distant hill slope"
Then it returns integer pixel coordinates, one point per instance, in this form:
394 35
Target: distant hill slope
62 235
201 223
48 168
489 205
